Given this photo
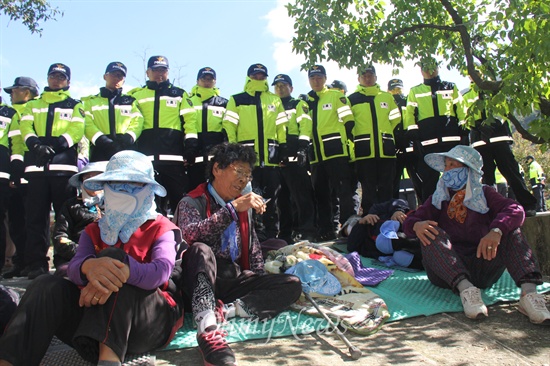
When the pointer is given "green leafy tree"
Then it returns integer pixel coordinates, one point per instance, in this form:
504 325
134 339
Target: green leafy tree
502 45
29 12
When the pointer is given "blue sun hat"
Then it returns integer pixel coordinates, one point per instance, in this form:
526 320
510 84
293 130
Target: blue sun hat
315 278
127 166
388 231
465 154
98 166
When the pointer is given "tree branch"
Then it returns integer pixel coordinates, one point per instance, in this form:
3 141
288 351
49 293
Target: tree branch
523 132
412 28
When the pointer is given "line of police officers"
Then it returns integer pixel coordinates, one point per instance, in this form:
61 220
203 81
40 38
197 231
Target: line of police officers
311 151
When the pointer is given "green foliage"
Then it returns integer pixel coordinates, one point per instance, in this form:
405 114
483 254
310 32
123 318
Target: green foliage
503 45
29 12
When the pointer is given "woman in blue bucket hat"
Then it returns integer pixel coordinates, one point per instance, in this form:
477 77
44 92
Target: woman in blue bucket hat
470 234
118 278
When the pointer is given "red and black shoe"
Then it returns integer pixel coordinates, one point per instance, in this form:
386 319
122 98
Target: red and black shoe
214 348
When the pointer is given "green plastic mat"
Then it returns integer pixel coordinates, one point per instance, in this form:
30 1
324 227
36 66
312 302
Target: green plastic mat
288 323
409 294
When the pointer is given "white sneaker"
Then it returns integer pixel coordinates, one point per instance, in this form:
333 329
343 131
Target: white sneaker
474 308
534 306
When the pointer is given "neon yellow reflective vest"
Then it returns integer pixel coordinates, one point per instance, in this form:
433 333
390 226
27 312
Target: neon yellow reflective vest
376 115
111 119
57 120
210 107
330 112
436 114
7 116
168 119
256 117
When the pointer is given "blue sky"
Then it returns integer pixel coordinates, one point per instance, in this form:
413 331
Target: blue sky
227 35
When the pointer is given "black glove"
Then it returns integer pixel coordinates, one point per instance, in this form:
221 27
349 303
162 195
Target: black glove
125 141
283 153
44 154
17 169
104 143
190 150
60 144
301 154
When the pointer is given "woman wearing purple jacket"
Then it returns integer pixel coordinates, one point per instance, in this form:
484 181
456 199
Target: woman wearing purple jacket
470 234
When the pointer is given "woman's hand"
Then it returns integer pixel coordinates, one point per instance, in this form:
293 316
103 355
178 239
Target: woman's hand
250 200
425 231
398 216
487 247
370 219
89 296
105 274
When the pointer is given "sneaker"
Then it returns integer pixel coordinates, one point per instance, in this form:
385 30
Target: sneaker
224 312
534 306
474 308
214 348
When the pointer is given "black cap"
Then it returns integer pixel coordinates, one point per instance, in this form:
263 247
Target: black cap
255 69
282 78
337 84
529 157
206 71
23 82
317 70
365 69
157 61
61 68
116 66
395 83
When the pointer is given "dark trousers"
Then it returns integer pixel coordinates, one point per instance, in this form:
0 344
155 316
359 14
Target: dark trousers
42 192
538 193
131 321
326 176
173 177
446 267
267 183
500 155
196 174
264 295
296 202
16 223
4 200
376 178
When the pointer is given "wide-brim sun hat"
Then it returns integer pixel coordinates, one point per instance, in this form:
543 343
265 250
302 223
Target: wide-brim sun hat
465 154
95 167
127 166
315 278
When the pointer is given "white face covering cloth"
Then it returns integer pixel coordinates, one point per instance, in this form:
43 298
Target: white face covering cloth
125 212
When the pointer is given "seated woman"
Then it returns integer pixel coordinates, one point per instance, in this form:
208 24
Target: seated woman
113 302
223 269
76 213
470 234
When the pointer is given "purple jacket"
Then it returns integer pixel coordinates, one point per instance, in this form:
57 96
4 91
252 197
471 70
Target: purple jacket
504 213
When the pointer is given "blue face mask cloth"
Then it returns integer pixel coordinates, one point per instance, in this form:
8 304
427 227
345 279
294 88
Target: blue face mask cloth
229 235
455 178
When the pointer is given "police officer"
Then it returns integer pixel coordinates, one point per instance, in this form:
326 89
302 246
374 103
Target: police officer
493 141
537 179
210 108
403 149
51 127
113 120
23 89
256 117
435 121
376 115
329 156
340 86
295 202
168 119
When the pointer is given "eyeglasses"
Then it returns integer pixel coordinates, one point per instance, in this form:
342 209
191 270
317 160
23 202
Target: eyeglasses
57 76
242 175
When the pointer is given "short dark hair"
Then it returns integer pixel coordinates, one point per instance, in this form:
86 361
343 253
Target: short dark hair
227 153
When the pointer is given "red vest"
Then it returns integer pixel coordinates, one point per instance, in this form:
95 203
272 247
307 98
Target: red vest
139 245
